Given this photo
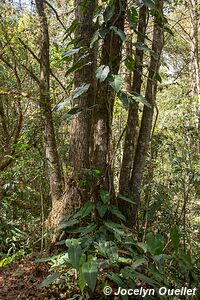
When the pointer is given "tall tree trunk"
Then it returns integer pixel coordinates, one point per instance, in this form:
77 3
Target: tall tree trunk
131 129
147 116
81 127
111 56
194 8
52 157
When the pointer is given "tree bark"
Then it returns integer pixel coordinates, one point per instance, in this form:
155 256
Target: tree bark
50 145
132 121
80 129
111 56
147 116
195 23
81 126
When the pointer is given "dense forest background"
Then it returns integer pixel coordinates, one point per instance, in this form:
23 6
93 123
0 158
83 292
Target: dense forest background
100 143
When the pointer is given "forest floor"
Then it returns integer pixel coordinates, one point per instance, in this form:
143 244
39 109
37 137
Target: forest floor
19 280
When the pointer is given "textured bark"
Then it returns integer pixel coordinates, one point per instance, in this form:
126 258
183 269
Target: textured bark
80 129
111 56
54 168
195 24
147 116
9 137
80 132
131 129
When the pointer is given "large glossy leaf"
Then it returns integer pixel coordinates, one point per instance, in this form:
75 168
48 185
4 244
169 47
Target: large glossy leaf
87 209
74 252
102 72
155 243
74 94
116 228
90 270
49 280
80 90
108 13
119 32
102 209
116 82
142 47
124 99
105 196
139 98
115 211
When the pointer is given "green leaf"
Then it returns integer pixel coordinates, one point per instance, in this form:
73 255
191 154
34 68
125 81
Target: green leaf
145 278
77 66
74 111
81 281
142 47
116 82
89 270
138 262
74 94
126 199
124 99
139 98
158 77
105 196
108 13
94 38
49 280
74 252
115 278
70 53
149 3
102 209
87 209
130 63
98 12
112 253
175 237
132 17
71 29
70 223
167 29
62 105
119 32
102 72
88 229
115 211
80 90
155 243
116 228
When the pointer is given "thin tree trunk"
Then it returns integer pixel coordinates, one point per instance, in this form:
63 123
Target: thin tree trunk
52 157
147 116
131 129
111 56
195 23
